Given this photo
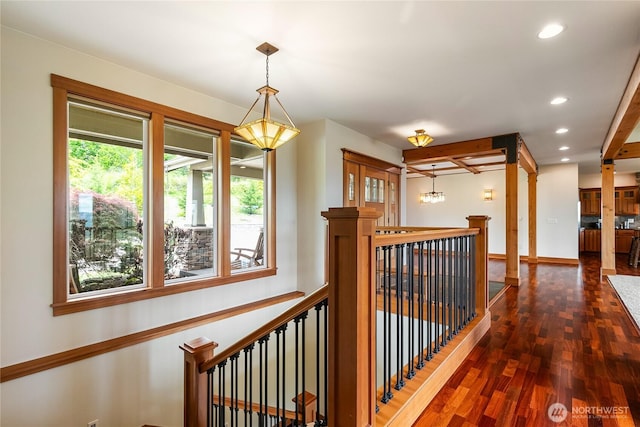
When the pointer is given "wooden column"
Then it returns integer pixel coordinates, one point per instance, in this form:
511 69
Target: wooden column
482 261
352 316
512 273
195 384
532 179
607 251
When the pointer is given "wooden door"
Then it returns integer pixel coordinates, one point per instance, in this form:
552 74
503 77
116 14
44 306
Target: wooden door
374 188
373 183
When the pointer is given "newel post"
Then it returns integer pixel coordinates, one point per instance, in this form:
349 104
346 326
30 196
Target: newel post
482 261
352 311
195 384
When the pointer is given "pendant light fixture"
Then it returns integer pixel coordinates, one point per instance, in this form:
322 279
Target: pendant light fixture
433 196
420 139
266 133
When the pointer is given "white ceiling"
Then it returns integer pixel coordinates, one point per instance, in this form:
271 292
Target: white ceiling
460 70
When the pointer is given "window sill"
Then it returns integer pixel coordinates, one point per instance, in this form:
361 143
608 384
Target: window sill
101 301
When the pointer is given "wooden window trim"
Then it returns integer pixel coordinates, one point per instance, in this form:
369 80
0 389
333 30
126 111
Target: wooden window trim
63 87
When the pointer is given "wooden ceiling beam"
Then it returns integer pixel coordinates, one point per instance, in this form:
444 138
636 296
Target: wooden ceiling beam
626 118
526 161
463 165
443 152
630 150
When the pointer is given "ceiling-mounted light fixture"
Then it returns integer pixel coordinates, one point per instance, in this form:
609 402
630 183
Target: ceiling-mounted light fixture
433 196
265 133
420 139
550 30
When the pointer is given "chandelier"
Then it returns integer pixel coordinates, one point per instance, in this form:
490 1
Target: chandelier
420 139
266 133
433 196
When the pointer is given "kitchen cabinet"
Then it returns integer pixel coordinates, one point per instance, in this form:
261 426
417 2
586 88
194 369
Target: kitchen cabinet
592 240
626 201
590 201
623 240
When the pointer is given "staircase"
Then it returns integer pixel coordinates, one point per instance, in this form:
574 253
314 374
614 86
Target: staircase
401 310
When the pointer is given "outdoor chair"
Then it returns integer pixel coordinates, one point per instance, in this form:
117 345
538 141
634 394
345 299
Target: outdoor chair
245 257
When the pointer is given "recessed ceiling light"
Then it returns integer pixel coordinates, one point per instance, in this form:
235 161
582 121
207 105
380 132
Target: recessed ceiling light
559 100
564 159
563 148
562 130
550 30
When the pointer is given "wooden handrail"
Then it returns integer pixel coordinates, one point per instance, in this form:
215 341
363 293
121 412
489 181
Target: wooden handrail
418 236
303 306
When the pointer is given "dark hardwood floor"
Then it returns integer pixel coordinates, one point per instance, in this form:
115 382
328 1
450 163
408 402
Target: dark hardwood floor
562 337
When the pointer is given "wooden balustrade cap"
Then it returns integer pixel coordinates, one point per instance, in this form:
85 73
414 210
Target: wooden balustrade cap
198 344
351 212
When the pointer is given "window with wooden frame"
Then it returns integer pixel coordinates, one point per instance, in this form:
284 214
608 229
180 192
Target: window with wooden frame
150 200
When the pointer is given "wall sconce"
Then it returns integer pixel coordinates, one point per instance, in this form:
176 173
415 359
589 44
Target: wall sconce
487 195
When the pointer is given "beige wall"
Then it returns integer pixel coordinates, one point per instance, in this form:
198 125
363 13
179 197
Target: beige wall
557 216
141 384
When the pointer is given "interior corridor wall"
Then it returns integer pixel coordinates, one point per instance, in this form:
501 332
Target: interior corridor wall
319 154
141 384
557 214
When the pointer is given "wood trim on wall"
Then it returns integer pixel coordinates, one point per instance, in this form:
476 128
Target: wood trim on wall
33 366
369 161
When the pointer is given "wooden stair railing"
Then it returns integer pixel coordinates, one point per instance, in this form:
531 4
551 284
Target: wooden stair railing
200 365
349 396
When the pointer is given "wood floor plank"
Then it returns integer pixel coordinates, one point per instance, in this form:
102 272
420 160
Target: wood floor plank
562 336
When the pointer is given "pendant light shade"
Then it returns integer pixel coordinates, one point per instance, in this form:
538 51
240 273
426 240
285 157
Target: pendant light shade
266 133
420 139
433 196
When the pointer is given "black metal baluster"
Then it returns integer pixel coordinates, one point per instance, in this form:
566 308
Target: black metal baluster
386 350
210 403
250 408
429 299
458 284
445 279
326 359
304 368
297 353
451 277
411 372
266 378
467 291
421 331
318 307
278 331
221 392
261 384
284 372
234 389
399 321
473 278
436 297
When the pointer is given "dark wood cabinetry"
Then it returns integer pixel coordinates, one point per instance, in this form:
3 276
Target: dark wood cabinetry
623 240
590 201
626 199
591 240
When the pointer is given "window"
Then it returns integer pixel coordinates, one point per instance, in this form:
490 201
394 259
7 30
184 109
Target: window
106 243
151 200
